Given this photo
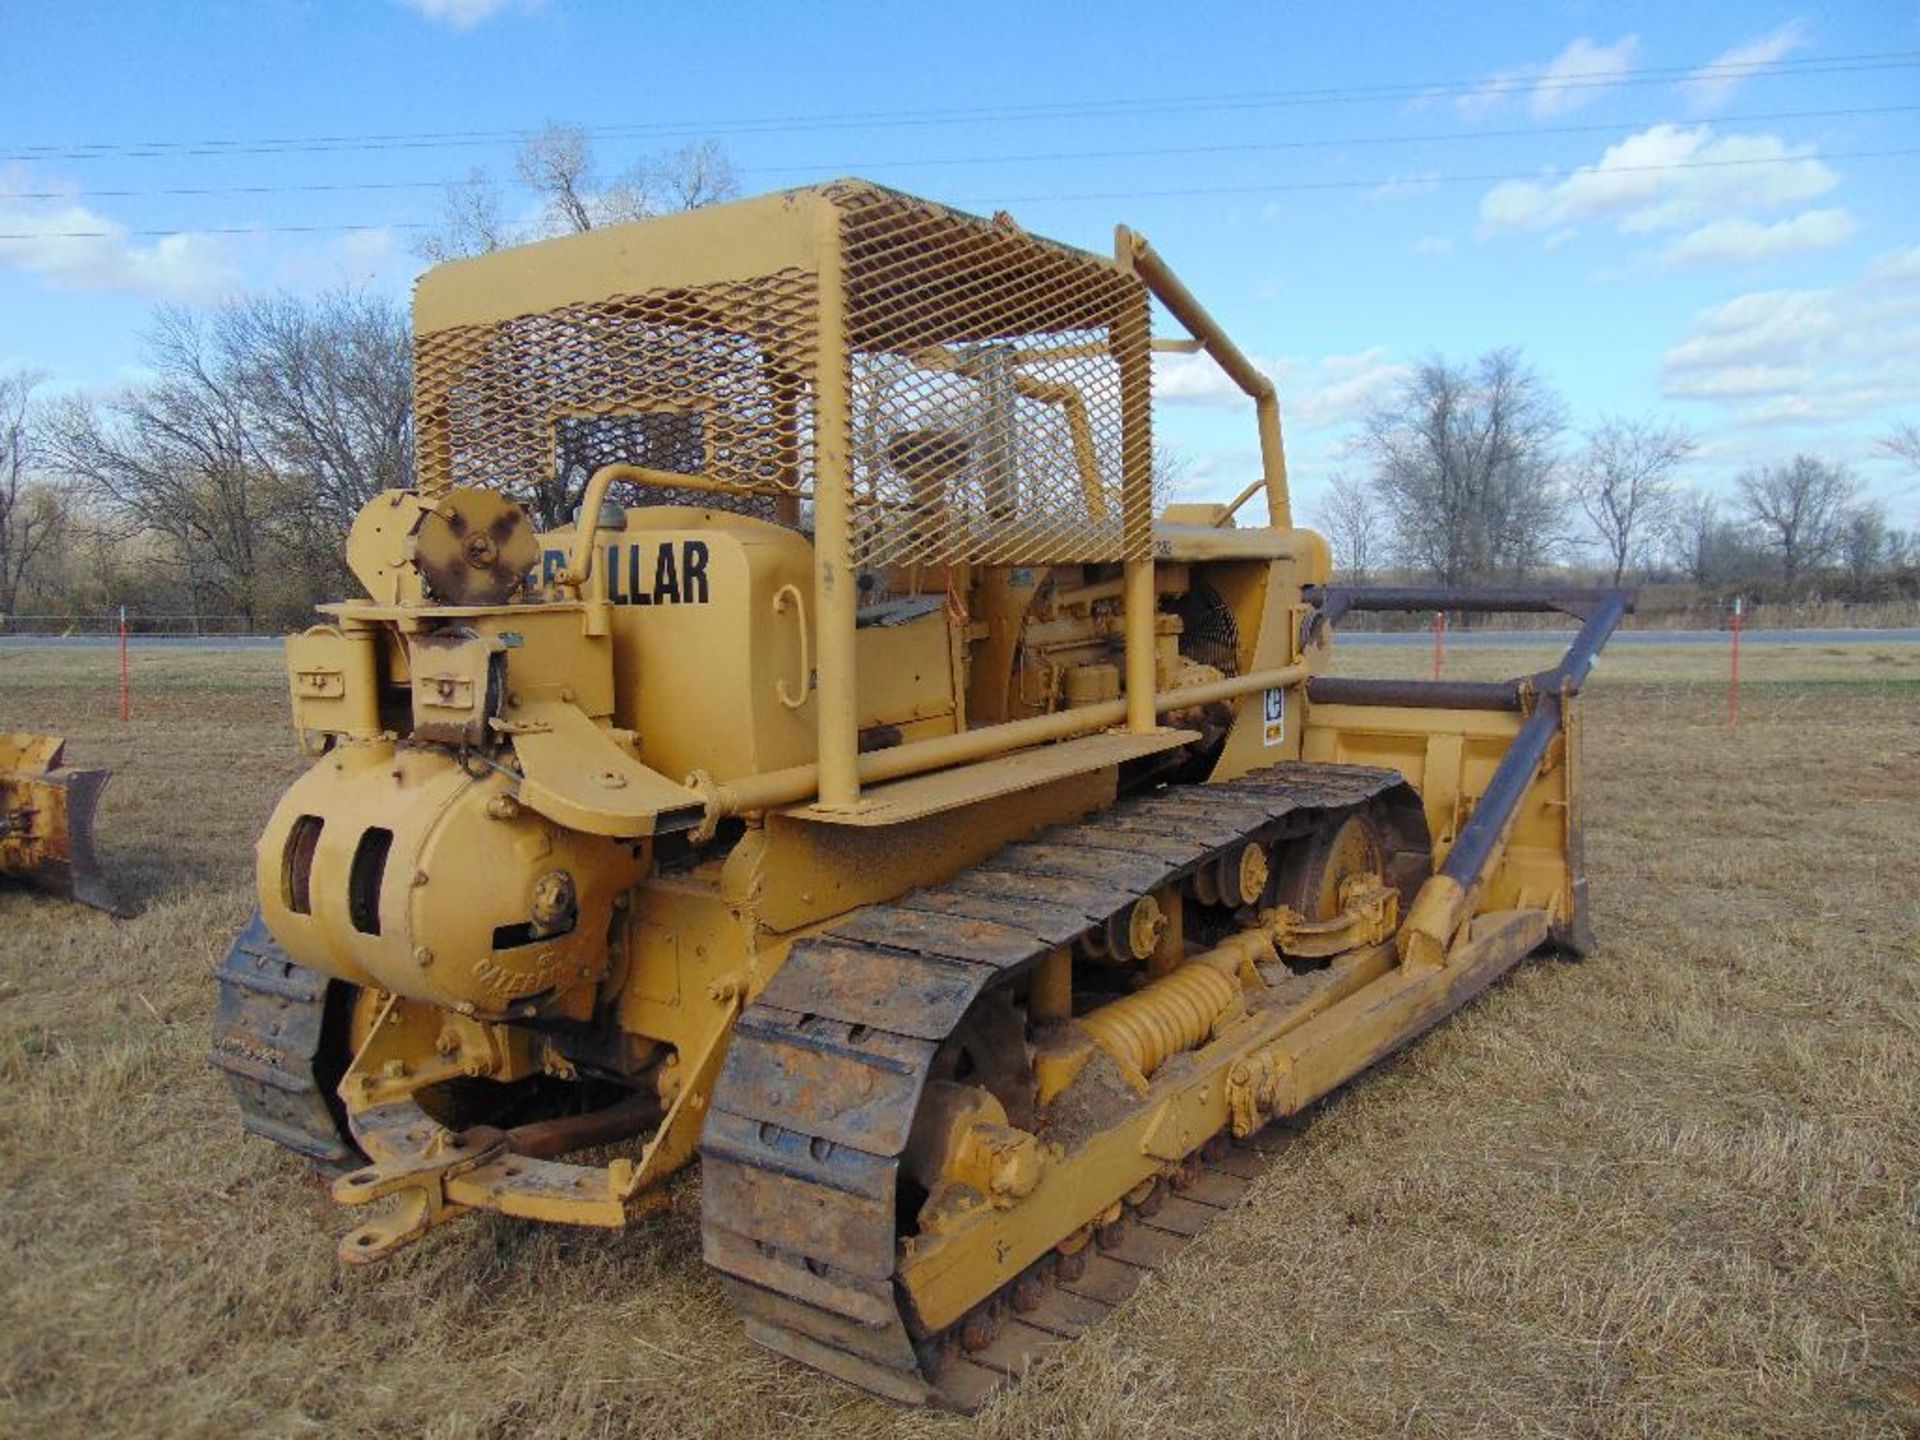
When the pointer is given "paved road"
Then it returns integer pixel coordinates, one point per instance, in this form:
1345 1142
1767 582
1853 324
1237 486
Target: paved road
1546 639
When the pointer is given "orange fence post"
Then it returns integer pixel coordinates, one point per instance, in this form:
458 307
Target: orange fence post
126 699
1439 642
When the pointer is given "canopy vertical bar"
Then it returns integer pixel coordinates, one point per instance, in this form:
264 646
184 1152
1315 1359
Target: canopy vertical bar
1132 340
835 591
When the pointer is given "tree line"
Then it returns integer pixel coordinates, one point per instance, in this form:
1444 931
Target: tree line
219 488
1468 473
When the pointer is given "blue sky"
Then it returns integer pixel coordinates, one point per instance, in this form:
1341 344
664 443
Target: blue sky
1689 210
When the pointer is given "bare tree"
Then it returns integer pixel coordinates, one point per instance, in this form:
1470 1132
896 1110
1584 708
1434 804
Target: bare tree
1465 463
1903 443
31 507
1172 472
1801 507
1624 484
1864 546
267 425
470 222
328 385
1708 547
559 166
180 457
690 178
1354 526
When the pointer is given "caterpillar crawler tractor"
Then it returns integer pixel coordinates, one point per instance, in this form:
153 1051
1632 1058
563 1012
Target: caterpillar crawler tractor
46 820
866 791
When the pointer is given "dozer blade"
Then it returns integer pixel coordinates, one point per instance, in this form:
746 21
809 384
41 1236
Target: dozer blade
46 821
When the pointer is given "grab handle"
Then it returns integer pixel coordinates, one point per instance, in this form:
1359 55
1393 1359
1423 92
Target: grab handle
781 598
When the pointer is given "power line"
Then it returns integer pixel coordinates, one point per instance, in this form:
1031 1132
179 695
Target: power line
1126 106
1425 180
863 166
1183 192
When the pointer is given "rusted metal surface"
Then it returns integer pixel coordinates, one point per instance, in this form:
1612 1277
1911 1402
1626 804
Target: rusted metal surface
622 1120
1334 601
46 821
1599 611
811 1118
271 1038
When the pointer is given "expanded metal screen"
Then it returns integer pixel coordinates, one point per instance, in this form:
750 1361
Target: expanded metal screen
715 381
988 372
997 387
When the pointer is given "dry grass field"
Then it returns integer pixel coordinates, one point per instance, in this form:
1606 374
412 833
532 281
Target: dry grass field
1674 1190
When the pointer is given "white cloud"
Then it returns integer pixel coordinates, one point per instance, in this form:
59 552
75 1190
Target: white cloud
74 248
1195 380
1331 391
1711 86
1431 245
1897 266
1662 178
1805 357
1339 389
372 258
1576 76
1740 241
1491 93
464 14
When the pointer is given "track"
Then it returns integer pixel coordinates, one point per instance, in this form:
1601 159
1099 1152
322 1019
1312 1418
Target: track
269 1037
802 1154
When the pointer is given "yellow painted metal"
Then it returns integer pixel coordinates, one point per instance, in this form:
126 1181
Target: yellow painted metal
1449 756
379 548
576 774
789 787
835 587
1295 1044
795 874
574 832
473 547
335 682
935 792
398 869
1174 1013
46 820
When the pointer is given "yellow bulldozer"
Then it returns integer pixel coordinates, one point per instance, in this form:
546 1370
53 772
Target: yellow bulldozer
869 787
46 820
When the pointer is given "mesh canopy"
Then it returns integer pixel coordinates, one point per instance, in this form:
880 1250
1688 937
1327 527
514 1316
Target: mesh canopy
997 388
706 381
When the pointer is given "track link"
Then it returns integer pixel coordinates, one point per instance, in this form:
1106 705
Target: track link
802 1151
270 1038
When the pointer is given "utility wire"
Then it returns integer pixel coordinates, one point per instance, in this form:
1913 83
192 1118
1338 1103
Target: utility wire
1426 180
859 167
1254 189
1126 106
